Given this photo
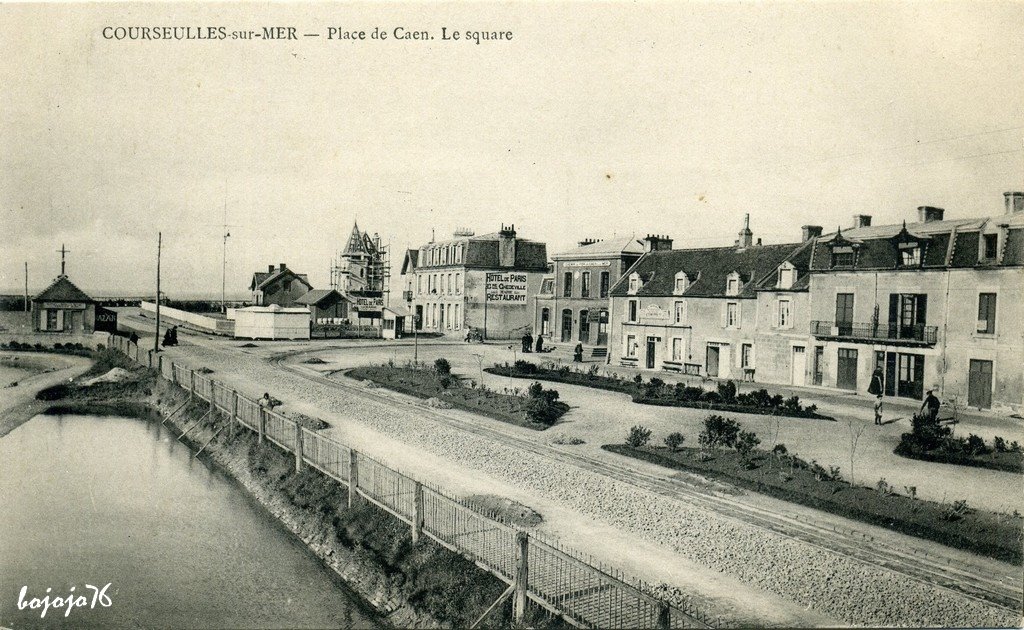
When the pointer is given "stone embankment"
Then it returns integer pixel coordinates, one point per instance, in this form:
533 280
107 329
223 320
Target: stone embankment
836 585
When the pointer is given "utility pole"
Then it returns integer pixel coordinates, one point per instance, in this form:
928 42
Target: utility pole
26 286
156 337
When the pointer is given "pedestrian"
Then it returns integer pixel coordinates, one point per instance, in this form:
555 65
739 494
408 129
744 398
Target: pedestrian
469 333
540 343
578 353
875 388
174 335
265 401
931 406
527 343
167 338
878 410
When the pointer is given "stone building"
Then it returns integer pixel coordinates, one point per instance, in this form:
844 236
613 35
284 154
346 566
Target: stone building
696 310
483 282
573 302
935 303
280 286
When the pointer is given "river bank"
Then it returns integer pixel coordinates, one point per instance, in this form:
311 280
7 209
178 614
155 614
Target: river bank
32 372
409 585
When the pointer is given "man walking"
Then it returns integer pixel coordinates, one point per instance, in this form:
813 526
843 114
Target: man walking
931 406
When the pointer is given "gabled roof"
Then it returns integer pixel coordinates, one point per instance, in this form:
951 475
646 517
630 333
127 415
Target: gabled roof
62 290
316 296
261 279
606 248
412 257
711 267
355 244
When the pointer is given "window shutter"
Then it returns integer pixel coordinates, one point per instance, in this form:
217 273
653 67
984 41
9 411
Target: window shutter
725 314
42 319
60 320
922 308
894 308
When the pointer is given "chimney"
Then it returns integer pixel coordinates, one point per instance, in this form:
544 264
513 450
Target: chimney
927 214
746 237
860 220
810 231
507 246
282 267
657 243
758 242
1014 202
588 241
270 268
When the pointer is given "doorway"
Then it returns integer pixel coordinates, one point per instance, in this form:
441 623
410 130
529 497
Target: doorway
602 328
799 366
566 326
545 316
585 326
819 364
652 350
979 384
846 369
712 361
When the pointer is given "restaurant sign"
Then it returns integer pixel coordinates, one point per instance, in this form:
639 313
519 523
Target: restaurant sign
506 287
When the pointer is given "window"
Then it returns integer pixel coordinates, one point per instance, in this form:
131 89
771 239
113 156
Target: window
990 245
547 286
910 256
287 285
842 256
844 308
747 355
680 312
682 283
458 284
785 314
419 284
585 284
732 315
605 278
458 318
787 277
630 345
677 349
451 287
634 283
567 284
633 306
987 313
732 286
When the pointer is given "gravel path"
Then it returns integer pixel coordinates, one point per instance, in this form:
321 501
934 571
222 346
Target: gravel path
844 589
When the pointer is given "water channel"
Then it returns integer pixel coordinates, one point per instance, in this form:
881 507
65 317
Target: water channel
97 500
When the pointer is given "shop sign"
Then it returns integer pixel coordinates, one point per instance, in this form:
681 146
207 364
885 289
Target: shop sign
506 287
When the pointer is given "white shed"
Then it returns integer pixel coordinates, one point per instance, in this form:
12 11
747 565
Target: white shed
271 322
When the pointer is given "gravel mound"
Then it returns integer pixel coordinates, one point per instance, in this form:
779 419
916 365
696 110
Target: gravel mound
116 375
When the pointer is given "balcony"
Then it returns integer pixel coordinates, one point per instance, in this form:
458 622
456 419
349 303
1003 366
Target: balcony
870 332
407 296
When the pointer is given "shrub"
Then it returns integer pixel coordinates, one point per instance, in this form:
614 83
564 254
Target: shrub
687 393
883 487
711 397
999 444
638 436
638 379
442 367
525 367
792 404
542 411
727 391
537 391
779 450
674 440
746 442
834 474
976 445
719 431
957 510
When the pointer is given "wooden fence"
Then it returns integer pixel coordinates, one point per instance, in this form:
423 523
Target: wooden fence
558 579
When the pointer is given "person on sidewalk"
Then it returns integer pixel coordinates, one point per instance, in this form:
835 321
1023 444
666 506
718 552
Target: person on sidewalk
577 355
930 406
878 410
540 343
527 343
875 388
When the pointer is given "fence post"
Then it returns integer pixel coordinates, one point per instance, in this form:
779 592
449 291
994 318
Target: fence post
353 477
417 512
262 424
160 365
298 447
234 410
522 577
191 385
664 616
149 359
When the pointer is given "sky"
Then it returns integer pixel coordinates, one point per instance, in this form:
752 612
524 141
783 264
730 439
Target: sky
596 119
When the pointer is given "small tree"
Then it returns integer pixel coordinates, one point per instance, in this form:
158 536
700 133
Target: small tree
674 440
727 391
719 431
855 429
746 442
638 436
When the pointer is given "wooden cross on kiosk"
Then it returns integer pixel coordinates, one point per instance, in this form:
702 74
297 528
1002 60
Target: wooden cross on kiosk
62 253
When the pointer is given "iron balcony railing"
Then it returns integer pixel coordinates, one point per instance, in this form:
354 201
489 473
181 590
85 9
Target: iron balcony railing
871 331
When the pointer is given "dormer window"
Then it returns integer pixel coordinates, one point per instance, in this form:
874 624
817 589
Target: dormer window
989 246
732 284
682 283
842 256
910 255
787 276
634 283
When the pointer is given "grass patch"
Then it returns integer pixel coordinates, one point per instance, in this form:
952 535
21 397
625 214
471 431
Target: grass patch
791 479
657 392
517 407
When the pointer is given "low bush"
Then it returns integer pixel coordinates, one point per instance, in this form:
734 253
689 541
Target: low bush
638 436
719 431
442 367
674 440
929 440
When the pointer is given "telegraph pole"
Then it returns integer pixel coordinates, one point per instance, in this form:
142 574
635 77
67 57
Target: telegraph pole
26 286
156 337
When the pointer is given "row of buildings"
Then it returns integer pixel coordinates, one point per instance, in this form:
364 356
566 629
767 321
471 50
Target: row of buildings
934 302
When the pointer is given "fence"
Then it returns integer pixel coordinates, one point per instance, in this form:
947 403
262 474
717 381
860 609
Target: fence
556 578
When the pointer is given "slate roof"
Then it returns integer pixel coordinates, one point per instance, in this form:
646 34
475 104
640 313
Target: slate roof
945 244
316 296
708 269
411 260
261 279
359 243
611 247
62 290
481 252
